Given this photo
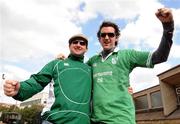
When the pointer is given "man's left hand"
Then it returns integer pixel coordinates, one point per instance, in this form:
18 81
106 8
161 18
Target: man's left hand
164 15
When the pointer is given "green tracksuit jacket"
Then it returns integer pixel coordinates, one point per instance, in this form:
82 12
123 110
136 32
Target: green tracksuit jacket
72 90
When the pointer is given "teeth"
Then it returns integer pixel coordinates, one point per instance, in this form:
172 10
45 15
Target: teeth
78 48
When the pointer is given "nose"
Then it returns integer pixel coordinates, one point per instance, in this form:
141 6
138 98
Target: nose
78 44
106 37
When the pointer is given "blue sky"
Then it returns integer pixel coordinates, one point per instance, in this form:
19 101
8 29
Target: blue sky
33 32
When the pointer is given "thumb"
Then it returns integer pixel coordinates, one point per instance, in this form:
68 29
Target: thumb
16 84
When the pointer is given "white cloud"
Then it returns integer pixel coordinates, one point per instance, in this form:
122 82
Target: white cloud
20 74
6 99
119 9
146 29
175 51
142 78
176 13
30 27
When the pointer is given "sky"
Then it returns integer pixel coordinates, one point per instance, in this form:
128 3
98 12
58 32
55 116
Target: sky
34 32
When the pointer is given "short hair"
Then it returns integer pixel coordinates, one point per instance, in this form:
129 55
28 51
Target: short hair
109 24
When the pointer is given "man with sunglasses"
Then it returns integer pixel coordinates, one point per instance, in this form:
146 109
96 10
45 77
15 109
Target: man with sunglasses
112 103
72 86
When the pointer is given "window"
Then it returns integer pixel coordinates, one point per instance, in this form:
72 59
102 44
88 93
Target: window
141 103
156 100
178 95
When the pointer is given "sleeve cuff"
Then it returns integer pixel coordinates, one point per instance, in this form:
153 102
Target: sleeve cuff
168 26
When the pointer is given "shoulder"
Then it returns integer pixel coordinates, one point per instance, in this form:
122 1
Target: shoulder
93 59
54 63
125 52
131 52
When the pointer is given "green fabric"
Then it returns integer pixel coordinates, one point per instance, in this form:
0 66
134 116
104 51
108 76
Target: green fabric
72 90
112 104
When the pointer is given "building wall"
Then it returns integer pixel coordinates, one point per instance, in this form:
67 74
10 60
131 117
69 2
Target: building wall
39 98
160 104
160 122
148 99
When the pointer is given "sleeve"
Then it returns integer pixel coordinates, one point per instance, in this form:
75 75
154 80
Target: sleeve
90 61
36 82
162 52
140 59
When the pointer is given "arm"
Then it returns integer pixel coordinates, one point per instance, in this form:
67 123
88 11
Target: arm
161 54
26 89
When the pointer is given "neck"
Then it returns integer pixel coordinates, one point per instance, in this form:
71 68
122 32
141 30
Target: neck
105 53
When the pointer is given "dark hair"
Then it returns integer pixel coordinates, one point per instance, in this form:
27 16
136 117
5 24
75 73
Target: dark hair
109 24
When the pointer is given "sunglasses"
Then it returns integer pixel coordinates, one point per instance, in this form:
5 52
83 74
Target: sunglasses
103 35
81 42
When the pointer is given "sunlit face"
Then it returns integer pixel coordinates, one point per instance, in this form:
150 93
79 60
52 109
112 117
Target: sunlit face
108 38
78 47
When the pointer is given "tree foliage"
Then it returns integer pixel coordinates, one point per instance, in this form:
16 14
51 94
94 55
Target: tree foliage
29 114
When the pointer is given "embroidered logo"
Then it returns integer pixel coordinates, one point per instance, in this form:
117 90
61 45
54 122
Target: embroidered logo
95 64
66 64
114 60
99 80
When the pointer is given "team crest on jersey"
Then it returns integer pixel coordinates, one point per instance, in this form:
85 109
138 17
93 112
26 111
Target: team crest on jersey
95 64
114 60
66 64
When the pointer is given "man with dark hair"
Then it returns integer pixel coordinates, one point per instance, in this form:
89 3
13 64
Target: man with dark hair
72 86
112 103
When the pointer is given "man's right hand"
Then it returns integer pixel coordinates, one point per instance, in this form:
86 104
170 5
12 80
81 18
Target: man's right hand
11 87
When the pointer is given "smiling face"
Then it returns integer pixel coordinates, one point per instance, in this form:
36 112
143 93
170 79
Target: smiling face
108 38
78 47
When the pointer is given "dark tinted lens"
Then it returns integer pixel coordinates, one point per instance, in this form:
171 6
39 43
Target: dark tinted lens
81 42
75 42
103 34
109 35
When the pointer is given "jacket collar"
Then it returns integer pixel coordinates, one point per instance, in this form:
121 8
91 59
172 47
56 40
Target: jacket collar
113 52
76 58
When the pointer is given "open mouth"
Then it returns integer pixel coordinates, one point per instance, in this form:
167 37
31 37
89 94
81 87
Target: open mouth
78 49
106 43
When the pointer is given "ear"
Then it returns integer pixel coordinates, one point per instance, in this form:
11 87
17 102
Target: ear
117 40
99 38
86 49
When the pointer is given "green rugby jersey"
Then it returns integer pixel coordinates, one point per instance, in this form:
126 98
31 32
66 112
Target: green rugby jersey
112 103
72 90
